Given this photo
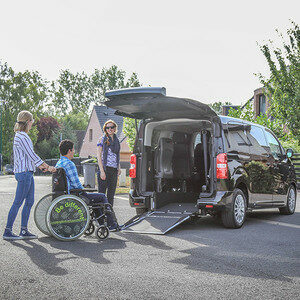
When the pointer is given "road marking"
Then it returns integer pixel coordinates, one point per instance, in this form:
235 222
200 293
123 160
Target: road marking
122 198
281 224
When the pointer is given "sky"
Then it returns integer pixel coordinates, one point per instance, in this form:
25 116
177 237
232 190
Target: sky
203 50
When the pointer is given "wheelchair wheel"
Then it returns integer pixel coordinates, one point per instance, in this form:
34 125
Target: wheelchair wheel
102 232
40 213
90 230
68 217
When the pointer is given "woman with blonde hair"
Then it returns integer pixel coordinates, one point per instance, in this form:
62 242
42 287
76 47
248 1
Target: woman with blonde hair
108 160
25 163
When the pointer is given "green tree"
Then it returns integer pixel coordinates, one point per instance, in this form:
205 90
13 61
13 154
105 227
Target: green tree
283 86
217 106
76 93
76 121
129 130
20 91
70 93
110 79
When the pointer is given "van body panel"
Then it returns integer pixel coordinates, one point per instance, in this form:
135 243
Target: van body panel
152 103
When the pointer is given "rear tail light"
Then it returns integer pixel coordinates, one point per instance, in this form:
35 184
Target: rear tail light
132 170
222 166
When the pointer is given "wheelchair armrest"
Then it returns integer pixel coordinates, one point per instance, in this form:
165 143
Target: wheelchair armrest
76 191
89 190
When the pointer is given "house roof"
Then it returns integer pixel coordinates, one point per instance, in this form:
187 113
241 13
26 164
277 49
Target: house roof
79 136
104 114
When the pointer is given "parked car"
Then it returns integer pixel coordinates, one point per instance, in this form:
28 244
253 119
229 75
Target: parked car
189 160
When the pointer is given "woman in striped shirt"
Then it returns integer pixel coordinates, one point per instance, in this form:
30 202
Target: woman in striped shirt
25 163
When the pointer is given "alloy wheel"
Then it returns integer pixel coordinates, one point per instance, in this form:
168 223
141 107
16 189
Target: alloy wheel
239 209
291 199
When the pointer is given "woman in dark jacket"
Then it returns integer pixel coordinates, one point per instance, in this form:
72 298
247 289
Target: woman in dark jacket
109 161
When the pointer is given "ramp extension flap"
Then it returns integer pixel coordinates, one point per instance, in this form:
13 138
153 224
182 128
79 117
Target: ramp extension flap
160 221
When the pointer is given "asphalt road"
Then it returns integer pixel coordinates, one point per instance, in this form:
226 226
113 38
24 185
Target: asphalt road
194 261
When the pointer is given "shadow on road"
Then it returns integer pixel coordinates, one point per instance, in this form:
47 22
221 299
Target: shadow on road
257 250
45 260
85 249
145 240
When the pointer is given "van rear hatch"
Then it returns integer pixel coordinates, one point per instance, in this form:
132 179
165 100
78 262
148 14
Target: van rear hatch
152 103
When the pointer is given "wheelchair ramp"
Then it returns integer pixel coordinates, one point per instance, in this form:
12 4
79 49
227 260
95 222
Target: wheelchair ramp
160 221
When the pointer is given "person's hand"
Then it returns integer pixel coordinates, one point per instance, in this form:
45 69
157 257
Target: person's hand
119 172
102 175
52 169
43 167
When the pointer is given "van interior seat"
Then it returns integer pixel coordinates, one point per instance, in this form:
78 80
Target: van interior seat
182 167
163 159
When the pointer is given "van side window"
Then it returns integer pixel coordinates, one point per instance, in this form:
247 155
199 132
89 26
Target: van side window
273 144
257 135
237 138
257 140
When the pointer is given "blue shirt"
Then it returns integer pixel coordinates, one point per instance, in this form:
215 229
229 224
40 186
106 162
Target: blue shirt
25 158
111 157
71 173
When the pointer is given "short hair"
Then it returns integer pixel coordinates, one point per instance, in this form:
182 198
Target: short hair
23 119
65 146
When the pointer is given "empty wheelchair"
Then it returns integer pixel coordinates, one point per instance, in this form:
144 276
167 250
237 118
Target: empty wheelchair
69 216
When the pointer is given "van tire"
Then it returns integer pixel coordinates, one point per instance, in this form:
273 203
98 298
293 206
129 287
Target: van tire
234 216
289 209
140 211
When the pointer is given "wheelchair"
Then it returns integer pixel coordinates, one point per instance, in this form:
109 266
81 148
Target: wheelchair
68 216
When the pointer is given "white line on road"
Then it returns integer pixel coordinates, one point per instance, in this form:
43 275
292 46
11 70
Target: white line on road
281 223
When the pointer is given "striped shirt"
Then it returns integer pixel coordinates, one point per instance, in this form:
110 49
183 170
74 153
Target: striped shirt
71 173
25 158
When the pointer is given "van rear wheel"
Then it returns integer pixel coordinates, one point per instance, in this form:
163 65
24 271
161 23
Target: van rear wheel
234 217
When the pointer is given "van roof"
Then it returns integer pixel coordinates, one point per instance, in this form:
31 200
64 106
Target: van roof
227 119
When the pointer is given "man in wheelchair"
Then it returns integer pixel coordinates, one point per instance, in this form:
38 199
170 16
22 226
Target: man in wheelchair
66 149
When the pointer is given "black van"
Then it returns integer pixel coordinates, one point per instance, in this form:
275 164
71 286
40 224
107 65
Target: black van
188 161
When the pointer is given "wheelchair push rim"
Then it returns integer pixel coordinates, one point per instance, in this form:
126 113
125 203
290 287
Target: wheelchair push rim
68 217
40 212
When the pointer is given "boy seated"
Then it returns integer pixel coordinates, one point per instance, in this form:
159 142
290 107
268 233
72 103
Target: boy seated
66 149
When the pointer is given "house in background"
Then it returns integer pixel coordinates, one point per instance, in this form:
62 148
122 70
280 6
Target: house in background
260 103
94 131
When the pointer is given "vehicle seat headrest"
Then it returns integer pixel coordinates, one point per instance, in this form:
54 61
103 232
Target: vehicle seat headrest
179 138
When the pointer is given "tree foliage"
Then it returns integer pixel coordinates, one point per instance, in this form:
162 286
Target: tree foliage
20 91
46 126
283 86
218 106
76 93
129 130
76 121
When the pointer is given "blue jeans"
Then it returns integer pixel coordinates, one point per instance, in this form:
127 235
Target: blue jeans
96 198
25 191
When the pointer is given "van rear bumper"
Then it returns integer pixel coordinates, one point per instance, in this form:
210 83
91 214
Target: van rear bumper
219 201
142 201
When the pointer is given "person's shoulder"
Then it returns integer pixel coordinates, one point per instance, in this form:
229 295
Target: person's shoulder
22 135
